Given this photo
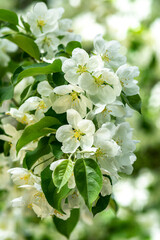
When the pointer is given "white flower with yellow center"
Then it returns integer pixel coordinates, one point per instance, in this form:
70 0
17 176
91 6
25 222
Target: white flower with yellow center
70 96
48 44
79 132
126 76
80 63
42 20
109 52
102 86
22 176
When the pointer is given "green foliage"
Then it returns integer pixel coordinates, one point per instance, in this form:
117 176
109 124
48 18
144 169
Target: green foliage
133 102
101 204
39 129
56 149
42 149
62 173
51 193
6 93
88 179
65 227
40 68
8 16
26 43
71 46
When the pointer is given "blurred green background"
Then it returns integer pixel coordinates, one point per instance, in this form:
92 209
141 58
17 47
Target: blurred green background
136 24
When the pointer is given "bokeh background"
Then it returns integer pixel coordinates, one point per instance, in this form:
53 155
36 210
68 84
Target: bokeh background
136 24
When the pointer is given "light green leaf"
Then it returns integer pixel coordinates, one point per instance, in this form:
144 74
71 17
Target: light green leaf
8 16
51 192
27 44
88 179
41 68
71 46
66 227
133 102
62 173
37 130
6 93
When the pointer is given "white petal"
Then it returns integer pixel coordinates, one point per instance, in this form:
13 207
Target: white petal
70 145
86 126
68 65
44 88
71 76
55 164
64 89
64 133
9 130
86 141
80 56
86 82
73 117
62 104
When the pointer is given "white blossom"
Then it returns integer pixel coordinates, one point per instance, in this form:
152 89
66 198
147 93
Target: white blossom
126 76
70 96
109 52
42 20
79 63
79 132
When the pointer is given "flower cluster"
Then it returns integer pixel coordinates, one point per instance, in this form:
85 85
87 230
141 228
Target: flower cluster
74 140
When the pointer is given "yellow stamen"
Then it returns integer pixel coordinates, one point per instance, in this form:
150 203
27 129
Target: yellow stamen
81 69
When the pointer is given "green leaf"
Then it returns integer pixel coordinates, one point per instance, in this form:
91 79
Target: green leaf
42 149
62 117
37 130
51 193
133 102
6 93
8 16
26 25
88 179
56 149
72 45
62 173
25 92
41 68
101 204
65 227
113 204
27 44
58 79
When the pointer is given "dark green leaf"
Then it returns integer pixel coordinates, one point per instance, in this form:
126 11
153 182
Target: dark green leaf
65 227
71 46
61 117
25 92
58 79
8 16
51 192
27 44
37 130
133 102
56 149
101 204
42 149
88 179
6 93
41 68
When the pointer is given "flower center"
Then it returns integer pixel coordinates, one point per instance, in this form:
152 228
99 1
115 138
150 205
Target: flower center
74 96
25 178
105 57
81 69
98 80
42 105
99 153
78 134
41 24
24 120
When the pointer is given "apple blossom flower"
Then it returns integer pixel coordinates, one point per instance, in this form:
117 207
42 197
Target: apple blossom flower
79 132
80 63
109 52
42 20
